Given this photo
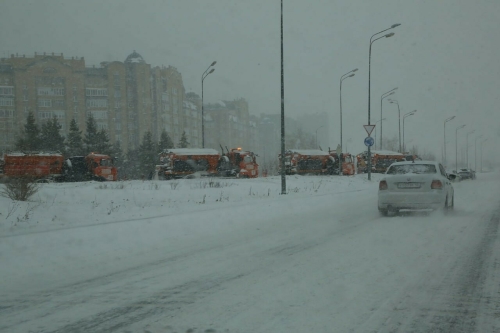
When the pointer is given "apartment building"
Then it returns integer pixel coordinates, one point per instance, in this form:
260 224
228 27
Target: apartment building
126 98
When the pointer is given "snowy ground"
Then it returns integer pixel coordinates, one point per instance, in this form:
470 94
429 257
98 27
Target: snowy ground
236 256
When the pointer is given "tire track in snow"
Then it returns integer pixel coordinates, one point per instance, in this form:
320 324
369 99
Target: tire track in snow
460 298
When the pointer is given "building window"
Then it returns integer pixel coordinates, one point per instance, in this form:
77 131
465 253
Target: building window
6 102
99 114
97 103
96 92
6 113
59 103
47 91
6 90
118 92
44 103
102 126
51 114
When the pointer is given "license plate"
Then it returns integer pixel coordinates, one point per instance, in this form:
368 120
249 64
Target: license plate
408 185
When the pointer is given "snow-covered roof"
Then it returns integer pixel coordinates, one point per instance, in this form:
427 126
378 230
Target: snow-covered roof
192 151
189 105
34 154
135 57
386 152
312 152
415 162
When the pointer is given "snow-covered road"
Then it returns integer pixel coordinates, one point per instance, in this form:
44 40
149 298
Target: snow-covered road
321 262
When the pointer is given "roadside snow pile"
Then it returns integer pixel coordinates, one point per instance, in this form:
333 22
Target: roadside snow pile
68 205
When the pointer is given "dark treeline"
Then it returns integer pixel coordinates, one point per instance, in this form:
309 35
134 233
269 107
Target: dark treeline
135 164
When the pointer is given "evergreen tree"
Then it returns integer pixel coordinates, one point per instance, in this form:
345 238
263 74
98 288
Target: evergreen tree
50 136
147 155
75 141
165 141
183 143
91 138
117 154
30 139
102 143
131 165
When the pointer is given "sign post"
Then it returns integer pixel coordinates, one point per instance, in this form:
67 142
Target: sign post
369 130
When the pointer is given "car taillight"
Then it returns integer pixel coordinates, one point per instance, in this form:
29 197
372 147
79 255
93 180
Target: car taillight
382 185
436 185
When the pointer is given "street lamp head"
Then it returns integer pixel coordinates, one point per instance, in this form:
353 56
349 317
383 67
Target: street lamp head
354 70
395 25
459 127
351 75
389 35
213 69
213 64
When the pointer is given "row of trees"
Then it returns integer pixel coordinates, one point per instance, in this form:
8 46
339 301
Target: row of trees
136 163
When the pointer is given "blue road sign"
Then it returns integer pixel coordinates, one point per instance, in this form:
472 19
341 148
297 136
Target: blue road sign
369 141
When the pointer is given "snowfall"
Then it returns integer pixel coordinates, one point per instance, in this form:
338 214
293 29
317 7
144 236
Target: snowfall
235 255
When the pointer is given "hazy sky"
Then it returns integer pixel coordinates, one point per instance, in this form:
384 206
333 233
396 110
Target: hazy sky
443 58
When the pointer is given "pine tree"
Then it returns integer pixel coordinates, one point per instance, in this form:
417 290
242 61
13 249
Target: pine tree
50 136
165 141
91 138
183 143
147 155
75 141
30 139
102 143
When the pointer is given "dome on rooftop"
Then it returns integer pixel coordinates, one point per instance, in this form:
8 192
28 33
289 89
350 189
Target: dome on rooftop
134 57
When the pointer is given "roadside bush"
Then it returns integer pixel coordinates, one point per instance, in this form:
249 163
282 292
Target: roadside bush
20 189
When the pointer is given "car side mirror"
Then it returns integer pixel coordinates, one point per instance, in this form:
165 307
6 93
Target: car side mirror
451 177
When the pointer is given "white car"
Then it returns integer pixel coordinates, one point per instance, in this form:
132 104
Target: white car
415 185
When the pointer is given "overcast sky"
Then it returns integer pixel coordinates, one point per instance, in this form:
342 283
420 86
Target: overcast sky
443 57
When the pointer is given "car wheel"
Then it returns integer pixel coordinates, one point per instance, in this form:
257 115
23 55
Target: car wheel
383 212
446 207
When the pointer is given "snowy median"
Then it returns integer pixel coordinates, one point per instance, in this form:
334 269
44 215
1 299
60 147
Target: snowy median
69 205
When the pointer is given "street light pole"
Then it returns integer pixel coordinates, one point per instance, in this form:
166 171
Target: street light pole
384 95
475 152
482 154
378 121
444 142
467 148
283 176
203 76
369 86
342 78
456 147
393 101
317 135
411 113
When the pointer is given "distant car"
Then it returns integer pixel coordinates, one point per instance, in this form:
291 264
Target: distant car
414 186
453 176
467 174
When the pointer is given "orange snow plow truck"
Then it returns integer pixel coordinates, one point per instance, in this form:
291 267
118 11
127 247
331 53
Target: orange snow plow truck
240 162
182 162
348 167
53 166
308 161
36 164
91 167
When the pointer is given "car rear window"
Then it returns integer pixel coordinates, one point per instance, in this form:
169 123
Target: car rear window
411 168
